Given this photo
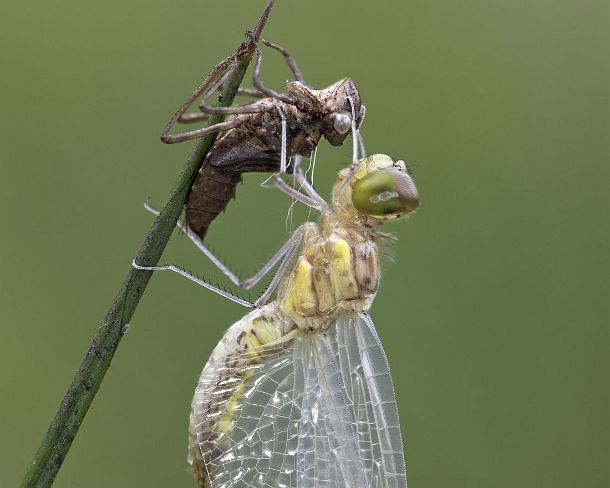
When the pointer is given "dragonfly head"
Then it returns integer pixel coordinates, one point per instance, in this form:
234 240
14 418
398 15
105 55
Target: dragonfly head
381 189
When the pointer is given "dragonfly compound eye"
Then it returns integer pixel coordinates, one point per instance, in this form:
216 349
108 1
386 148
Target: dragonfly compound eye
385 192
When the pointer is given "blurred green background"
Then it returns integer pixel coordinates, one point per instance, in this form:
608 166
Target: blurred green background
494 313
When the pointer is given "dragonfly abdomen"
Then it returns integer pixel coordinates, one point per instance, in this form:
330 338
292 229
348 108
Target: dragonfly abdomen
224 382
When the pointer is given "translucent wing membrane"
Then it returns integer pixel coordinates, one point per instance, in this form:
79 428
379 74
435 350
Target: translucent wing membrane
327 453
366 377
317 410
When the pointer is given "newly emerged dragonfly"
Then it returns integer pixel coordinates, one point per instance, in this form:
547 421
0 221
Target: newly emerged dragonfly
298 393
263 135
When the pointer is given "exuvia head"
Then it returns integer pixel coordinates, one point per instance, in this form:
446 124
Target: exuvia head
380 189
342 104
338 104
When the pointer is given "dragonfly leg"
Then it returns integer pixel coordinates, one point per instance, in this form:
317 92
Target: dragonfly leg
258 84
304 184
194 279
268 266
358 146
252 92
284 187
219 71
360 139
249 92
292 247
255 107
289 59
245 284
194 134
213 82
249 108
217 86
355 137
284 142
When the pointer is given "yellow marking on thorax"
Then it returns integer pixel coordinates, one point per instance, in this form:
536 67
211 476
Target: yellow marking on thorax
342 271
316 254
300 299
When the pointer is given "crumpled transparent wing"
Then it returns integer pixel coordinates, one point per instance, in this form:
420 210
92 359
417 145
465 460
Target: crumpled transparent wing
367 381
318 411
327 453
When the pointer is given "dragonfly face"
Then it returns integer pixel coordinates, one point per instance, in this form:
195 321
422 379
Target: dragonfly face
380 190
385 193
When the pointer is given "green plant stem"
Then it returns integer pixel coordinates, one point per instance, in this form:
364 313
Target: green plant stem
87 380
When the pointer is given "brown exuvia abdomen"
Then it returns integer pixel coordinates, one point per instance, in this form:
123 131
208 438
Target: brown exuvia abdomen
209 196
253 147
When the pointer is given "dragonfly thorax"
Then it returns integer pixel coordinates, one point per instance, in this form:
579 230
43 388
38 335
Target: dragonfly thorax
338 270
